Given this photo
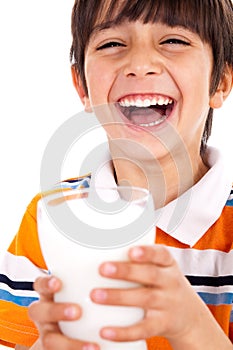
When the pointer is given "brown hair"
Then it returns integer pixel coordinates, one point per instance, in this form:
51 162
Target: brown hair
212 20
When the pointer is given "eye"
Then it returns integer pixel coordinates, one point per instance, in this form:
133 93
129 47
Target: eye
110 44
175 41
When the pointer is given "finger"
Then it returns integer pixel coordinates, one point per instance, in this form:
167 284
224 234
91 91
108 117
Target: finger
146 298
51 341
47 286
156 254
147 274
142 330
154 259
49 312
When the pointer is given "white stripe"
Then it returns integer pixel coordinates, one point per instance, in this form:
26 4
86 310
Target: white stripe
207 262
213 290
19 293
19 268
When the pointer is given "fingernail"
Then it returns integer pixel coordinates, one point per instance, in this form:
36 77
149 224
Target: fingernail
89 347
53 283
70 312
108 333
99 295
109 269
136 252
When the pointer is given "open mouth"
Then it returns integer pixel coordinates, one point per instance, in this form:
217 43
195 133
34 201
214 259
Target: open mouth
147 110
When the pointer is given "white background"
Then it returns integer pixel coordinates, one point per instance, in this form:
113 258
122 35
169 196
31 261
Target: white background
37 96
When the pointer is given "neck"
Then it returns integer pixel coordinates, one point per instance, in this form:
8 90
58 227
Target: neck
166 178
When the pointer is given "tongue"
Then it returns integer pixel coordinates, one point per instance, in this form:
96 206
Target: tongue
145 115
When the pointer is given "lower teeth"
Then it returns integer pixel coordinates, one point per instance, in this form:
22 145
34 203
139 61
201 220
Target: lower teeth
156 122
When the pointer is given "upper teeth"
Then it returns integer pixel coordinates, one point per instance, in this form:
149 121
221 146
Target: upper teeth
147 102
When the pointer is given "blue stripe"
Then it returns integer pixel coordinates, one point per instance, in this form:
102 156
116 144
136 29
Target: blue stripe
21 301
78 179
75 185
217 299
84 184
231 318
229 203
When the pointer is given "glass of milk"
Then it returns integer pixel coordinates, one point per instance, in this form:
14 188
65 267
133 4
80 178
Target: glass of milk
80 229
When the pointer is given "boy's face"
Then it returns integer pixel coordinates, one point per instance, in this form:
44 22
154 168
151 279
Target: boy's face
134 65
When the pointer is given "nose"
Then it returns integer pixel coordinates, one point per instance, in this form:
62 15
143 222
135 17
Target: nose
142 62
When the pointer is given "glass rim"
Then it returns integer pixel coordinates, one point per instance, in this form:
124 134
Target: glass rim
65 194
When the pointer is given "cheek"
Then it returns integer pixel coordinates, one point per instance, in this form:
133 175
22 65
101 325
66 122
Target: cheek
99 82
194 73
195 86
193 81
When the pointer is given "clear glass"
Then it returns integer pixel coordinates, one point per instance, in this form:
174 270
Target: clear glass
80 229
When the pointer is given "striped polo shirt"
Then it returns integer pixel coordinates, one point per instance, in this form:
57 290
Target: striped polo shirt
196 228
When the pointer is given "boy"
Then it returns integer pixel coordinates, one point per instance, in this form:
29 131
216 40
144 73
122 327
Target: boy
153 71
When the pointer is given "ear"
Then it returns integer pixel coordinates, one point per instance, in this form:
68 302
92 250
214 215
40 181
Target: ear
80 89
223 90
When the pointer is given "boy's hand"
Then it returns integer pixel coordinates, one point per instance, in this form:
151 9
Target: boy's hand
172 308
46 314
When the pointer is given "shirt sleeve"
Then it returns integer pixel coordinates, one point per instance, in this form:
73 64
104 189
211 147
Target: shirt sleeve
21 265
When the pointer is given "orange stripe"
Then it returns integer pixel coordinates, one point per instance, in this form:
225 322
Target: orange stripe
4 343
26 242
218 237
222 314
18 329
158 343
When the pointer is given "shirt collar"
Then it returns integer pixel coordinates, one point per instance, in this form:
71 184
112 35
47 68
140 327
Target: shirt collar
188 217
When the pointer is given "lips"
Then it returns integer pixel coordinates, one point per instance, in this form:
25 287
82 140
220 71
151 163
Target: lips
146 110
